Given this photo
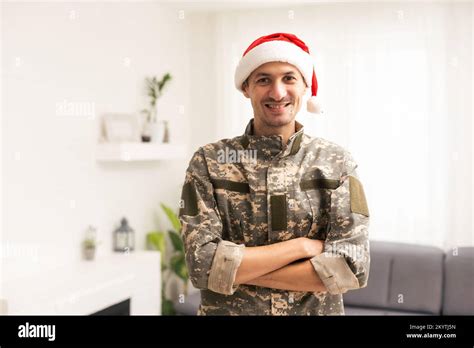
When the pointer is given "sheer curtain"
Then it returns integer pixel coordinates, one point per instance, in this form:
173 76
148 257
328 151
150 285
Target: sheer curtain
396 83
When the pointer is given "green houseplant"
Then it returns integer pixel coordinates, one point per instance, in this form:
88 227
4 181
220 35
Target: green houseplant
89 243
173 266
88 248
154 89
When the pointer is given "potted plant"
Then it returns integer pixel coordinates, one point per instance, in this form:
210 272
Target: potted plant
154 130
89 244
173 266
88 249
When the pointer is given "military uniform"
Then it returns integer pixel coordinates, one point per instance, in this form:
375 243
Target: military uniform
308 188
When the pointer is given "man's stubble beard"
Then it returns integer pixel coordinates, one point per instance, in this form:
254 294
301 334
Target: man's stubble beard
268 122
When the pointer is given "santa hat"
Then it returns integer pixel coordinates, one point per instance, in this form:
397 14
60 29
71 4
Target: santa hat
280 47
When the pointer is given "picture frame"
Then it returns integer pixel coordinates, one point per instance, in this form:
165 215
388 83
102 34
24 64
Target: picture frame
121 127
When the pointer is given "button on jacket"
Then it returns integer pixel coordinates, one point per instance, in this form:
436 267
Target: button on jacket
252 191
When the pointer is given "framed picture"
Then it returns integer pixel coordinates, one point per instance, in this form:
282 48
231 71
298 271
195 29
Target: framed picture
121 127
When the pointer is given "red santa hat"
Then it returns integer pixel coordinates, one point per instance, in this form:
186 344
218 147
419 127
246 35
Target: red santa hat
280 47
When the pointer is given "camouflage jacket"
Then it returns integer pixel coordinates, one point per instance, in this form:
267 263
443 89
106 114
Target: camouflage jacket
252 191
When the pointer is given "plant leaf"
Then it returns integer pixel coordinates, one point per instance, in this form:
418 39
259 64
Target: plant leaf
176 241
157 241
163 81
178 265
172 217
167 307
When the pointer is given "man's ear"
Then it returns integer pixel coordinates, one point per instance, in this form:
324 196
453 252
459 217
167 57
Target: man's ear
245 87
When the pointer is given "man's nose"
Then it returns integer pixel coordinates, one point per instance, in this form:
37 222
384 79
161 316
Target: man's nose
278 91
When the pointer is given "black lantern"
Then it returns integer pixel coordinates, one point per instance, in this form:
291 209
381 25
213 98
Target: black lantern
124 237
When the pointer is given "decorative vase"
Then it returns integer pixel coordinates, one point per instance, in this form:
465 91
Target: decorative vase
147 132
166 135
158 132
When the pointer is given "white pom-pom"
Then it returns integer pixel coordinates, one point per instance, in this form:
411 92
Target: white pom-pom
314 106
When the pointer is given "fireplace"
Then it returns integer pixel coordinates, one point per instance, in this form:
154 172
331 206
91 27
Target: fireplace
121 308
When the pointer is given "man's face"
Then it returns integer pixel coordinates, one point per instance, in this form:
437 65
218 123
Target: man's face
276 90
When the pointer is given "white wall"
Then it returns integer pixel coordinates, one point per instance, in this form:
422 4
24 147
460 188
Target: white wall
459 115
202 81
99 54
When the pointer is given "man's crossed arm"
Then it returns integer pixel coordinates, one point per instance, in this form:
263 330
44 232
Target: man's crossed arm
283 265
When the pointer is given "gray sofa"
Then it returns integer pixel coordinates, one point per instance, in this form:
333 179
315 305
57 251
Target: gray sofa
410 279
405 279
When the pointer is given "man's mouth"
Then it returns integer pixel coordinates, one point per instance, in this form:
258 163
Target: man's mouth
276 107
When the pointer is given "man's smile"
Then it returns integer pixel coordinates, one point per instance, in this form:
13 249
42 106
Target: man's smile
276 107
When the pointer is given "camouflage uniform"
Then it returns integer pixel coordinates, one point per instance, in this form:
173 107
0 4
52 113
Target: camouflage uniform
308 188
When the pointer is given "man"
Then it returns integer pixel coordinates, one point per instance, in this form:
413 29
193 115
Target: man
274 222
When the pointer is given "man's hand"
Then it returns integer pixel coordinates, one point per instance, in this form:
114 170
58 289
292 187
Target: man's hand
261 260
312 247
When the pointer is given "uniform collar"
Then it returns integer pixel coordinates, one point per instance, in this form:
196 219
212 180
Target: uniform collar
272 145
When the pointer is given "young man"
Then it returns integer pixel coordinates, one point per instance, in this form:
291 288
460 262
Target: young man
274 222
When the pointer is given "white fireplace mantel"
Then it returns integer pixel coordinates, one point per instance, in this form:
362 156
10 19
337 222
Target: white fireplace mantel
86 287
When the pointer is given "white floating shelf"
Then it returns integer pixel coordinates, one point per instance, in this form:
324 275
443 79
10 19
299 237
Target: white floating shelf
127 152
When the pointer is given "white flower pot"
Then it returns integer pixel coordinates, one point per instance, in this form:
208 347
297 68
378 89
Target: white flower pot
157 132
89 253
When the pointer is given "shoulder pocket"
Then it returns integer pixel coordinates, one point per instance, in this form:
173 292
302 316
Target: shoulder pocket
233 202
318 192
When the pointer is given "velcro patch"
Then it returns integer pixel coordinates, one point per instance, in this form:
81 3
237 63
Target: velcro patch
189 199
358 201
278 211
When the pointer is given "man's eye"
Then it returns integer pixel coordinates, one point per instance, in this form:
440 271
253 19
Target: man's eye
264 80
290 78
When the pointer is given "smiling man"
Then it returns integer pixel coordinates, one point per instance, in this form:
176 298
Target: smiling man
287 232
276 90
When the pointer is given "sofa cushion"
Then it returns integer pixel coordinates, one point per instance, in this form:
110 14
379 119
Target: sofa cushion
458 298
190 305
403 277
349 310
416 281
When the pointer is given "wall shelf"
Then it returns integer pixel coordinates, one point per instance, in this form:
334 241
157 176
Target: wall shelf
127 152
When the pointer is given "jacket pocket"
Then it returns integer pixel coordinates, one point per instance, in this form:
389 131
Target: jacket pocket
318 192
233 201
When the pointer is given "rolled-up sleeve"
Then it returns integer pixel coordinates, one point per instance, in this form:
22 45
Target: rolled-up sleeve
211 261
344 264
224 267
